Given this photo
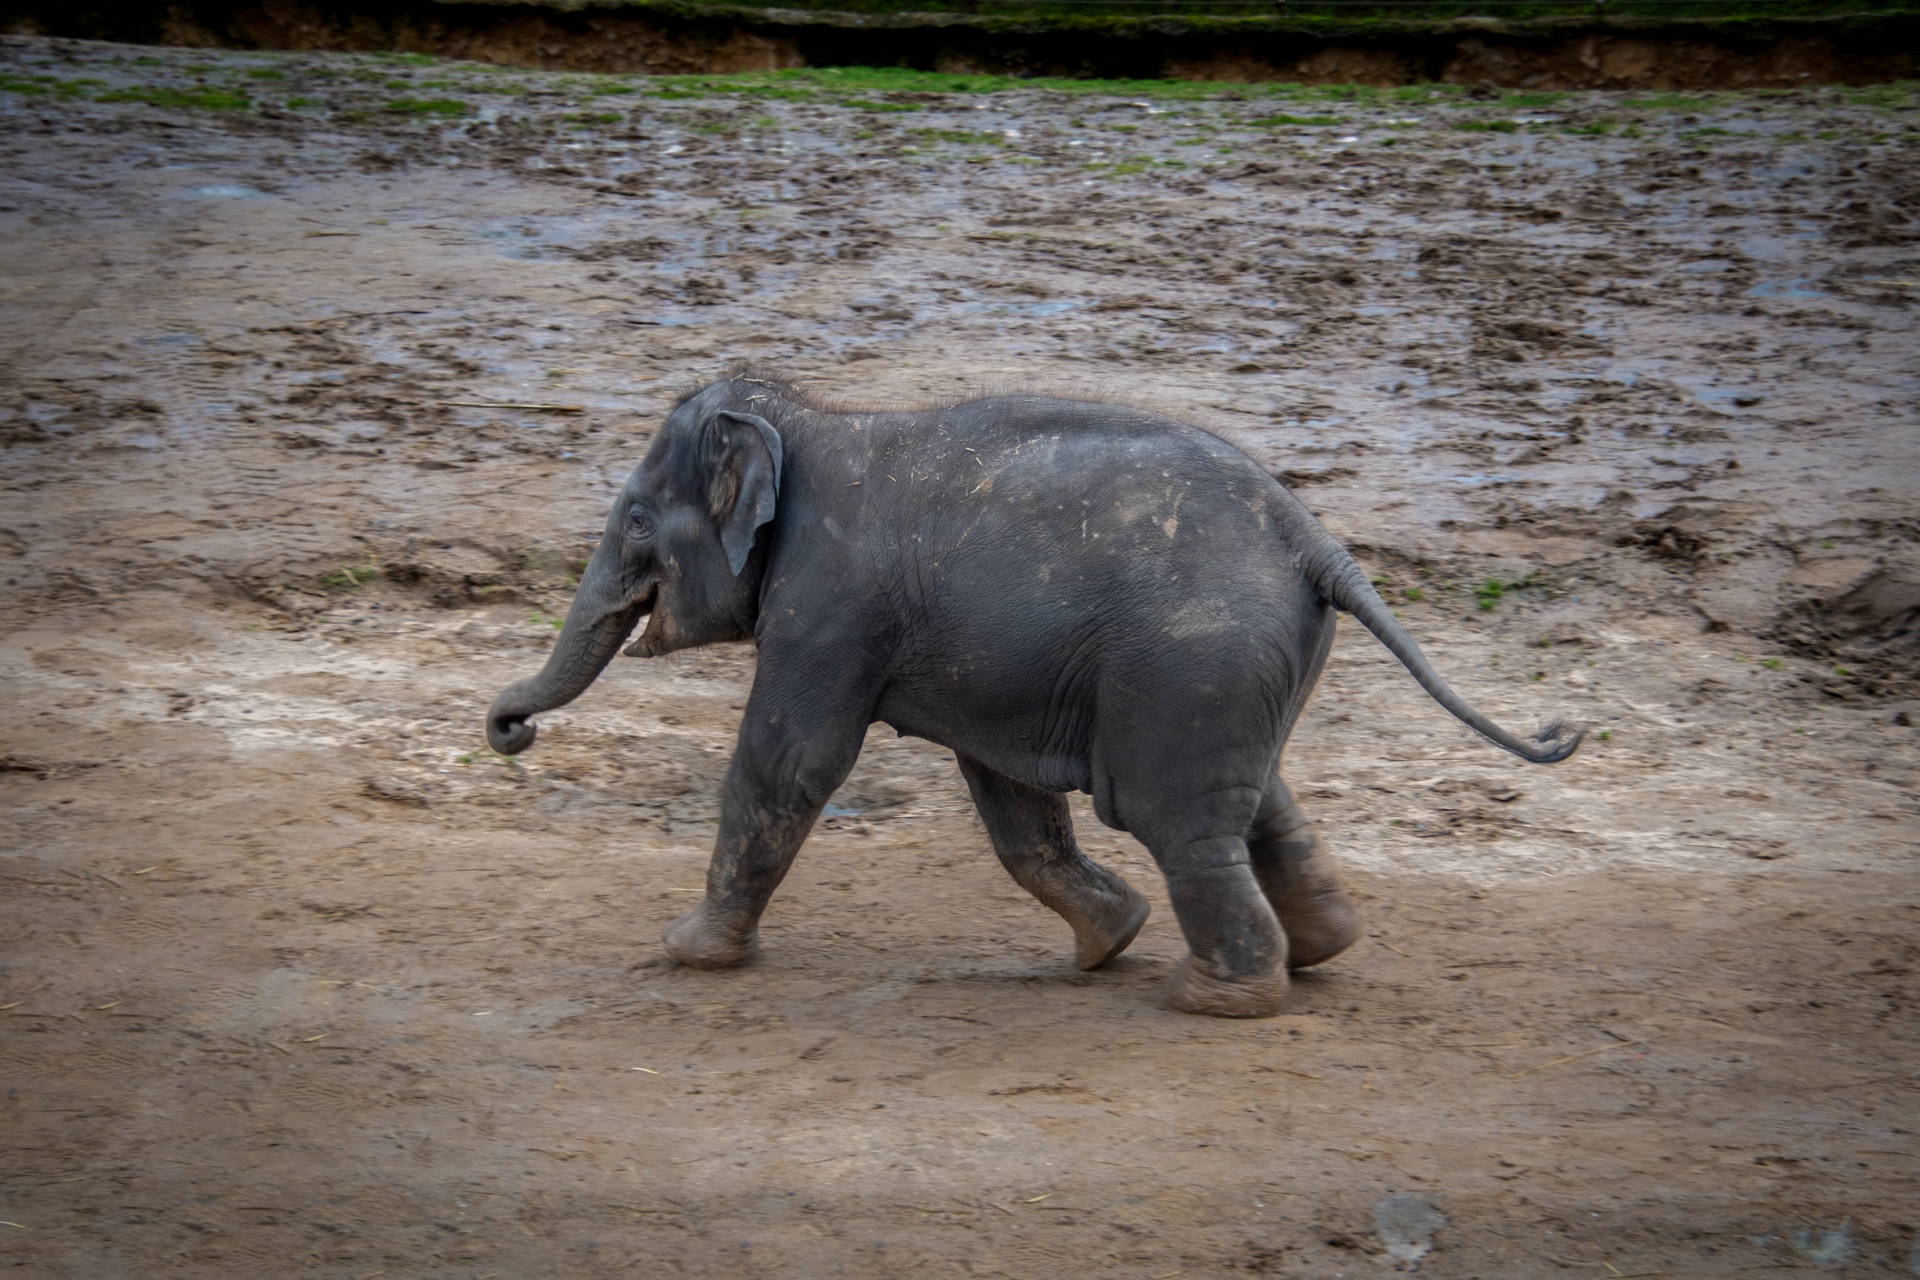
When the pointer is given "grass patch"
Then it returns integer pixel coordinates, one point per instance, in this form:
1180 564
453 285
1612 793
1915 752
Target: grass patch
1124 168
41 87
1317 122
348 577
1489 593
502 87
1901 93
1486 126
827 84
962 137
867 104
181 99
428 107
1670 102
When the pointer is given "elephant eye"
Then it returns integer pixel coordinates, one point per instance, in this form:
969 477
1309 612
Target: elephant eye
638 525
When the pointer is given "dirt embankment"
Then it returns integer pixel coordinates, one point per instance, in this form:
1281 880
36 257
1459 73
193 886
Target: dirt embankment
1582 54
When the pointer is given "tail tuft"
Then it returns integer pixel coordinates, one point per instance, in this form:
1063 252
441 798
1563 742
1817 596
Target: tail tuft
1556 742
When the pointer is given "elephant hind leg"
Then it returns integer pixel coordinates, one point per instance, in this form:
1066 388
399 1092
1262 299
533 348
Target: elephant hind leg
1301 880
1032 832
1236 965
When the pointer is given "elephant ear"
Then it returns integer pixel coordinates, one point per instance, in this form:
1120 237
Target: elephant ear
743 454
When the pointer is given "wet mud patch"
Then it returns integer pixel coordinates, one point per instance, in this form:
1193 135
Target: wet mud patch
1869 633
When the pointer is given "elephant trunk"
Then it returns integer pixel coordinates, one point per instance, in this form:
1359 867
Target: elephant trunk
601 616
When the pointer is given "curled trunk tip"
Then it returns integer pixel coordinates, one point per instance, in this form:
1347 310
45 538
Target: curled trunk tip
509 729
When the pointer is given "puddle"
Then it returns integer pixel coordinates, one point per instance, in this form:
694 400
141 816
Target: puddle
1825 1247
1780 250
1407 1224
1801 287
1022 308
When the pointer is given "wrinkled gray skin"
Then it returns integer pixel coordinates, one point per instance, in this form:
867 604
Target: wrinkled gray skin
1070 596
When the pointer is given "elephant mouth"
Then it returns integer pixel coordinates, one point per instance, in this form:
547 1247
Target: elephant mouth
653 635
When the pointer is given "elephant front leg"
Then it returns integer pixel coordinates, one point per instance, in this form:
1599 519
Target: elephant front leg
1301 879
776 787
1032 832
757 845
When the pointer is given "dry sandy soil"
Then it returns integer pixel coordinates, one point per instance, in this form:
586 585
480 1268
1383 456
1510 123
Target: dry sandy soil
299 979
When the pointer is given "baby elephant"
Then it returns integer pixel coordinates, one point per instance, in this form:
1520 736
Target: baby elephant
1070 596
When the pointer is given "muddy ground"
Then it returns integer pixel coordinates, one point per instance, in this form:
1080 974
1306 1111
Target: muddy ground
1615 397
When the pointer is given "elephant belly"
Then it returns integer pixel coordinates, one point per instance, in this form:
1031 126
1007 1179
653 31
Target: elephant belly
1015 713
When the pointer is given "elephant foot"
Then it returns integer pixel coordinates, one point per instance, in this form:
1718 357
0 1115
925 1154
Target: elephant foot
1105 911
1102 930
1256 995
1320 924
1302 883
699 940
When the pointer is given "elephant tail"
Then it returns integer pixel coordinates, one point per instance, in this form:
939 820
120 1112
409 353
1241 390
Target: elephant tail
1334 572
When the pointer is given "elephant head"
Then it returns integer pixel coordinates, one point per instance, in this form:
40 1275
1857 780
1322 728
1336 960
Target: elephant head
676 550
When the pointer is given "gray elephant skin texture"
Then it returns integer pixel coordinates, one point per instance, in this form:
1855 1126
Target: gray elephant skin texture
1068 595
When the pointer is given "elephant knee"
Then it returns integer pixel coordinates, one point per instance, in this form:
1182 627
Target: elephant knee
801 779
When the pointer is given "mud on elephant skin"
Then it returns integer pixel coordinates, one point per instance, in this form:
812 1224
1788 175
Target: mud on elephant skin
1069 595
